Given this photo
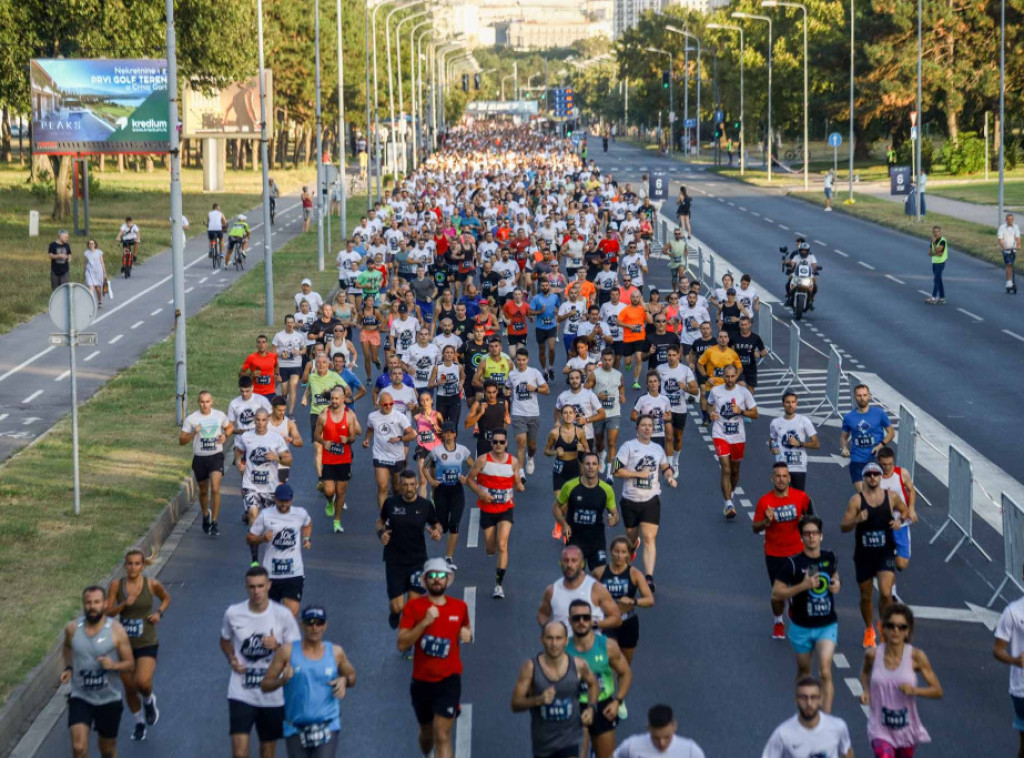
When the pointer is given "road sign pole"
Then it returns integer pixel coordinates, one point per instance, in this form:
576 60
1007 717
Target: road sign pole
72 336
835 161
177 232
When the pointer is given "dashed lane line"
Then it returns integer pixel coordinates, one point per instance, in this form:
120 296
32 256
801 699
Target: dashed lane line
90 356
783 226
820 242
743 209
156 312
4 415
892 278
926 294
970 315
115 339
189 290
1013 334
837 251
464 732
868 266
63 376
473 535
137 324
31 397
755 213
840 660
770 221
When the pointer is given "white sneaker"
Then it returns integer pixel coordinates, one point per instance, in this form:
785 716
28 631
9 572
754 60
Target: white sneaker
499 592
530 466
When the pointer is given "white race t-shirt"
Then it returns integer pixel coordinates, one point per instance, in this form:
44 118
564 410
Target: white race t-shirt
1011 629
610 314
242 413
405 397
673 384
608 382
403 331
637 456
784 432
829 739
691 319
1009 236
207 429
289 348
656 408
313 298
585 402
746 297
260 475
524 402
422 359
393 424
246 631
576 311
729 426
283 556
640 746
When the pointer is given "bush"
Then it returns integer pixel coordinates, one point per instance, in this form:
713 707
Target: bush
905 153
965 157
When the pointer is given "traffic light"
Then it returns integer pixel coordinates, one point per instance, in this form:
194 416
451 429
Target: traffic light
736 125
476 81
465 82
665 79
718 131
568 100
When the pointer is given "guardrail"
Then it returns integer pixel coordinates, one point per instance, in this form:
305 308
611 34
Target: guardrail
961 502
1013 547
833 380
906 442
792 372
765 328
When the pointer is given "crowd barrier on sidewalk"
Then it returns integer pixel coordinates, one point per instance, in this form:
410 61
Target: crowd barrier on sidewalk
906 442
961 502
792 372
765 328
1013 546
833 380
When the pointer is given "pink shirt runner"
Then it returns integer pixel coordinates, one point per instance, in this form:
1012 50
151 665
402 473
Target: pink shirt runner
893 716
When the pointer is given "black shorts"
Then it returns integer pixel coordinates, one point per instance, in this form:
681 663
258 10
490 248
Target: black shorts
402 578
420 454
569 470
543 335
593 549
798 480
289 587
214 235
568 752
449 503
749 378
516 341
336 472
488 520
269 721
431 699
105 719
867 565
149 651
393 466
627 635
205 465
775 566
600 725
287 372
626 349
678 421
636 513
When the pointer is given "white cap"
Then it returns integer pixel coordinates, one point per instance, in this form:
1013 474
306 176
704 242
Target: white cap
306 281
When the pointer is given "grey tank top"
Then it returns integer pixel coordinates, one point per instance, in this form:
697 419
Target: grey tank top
556 726
89 680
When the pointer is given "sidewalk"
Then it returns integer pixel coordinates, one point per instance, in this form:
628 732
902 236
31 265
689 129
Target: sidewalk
974 212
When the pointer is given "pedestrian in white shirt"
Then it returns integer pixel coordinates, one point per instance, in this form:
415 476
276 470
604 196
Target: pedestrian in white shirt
810 733
1009 649
660 740
1008 236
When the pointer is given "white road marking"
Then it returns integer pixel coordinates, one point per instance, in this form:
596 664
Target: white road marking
820 242
868 266
892 278
783 226
856 690
4 415
1013 334
30 420
732 204
840 252
751 514
464 732
137 324
770 221
203 280
926 294
63 376
755 213
738 491
171 301
743 209
970 315
469 596
189 290
32 397
746 503
90 356
116 339
473 535
156 312
840 660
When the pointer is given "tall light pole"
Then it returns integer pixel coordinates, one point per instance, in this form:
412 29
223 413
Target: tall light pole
671 94
268 245
502 84
177 233
694 37
416 72
1002 103
743 124
401 108
342 149
319 146
920 124
807 165
755 17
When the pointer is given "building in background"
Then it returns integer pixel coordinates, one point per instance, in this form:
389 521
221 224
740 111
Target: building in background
627 14
530 24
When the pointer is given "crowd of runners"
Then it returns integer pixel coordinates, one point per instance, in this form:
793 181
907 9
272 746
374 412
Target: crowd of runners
508 268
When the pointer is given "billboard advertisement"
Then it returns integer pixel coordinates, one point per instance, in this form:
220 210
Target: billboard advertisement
99 106
232 112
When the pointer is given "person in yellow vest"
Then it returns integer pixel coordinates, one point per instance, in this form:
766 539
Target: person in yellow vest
890 158
938 251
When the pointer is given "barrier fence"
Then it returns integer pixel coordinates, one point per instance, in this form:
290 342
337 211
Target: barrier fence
833 380
961 502
906 442
1013 547
792 372
765 328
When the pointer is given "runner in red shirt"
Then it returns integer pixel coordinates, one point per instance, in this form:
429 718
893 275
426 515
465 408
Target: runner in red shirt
520 245
262 367
778 515
435 625
610 247
516 313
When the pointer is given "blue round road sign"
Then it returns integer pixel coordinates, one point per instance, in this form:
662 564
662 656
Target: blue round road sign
835 139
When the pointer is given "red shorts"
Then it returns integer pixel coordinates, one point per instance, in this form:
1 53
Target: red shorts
733 450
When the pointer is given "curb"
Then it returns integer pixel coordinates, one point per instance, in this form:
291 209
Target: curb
28 699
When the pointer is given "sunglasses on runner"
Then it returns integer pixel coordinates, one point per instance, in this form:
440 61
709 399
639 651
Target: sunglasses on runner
498 442
900 627
386 405
580 617
436 575
314 622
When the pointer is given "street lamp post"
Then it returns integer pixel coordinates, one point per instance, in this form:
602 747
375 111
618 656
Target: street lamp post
920 124
268 245
743 124
765 18
401 106
503 84
807 167
342 152
319 146
1002 104
694 37
415 86
671 94
393 131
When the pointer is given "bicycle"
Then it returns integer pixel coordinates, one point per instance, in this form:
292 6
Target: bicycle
237 248
217 253
273 210
127 257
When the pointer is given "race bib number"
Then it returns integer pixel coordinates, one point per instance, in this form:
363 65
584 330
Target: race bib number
281 566
608 401
265 380
335 448
647 483
94 680
312 736
719 372
522 393
435 647
208 445
260 477
585 518
518 325
792 458
426 437
559 466
894 719
561 709
675 397
731 427
636 328
864 440
692 326
873 539
450 476
499 496
252 677
547 320
321 398
132 627
785 513
422 374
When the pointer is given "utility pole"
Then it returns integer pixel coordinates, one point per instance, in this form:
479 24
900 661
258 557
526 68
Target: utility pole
268 243
177 234
319 146
342 143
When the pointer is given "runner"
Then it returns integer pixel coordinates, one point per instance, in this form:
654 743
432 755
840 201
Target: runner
610 312
549 687
258 455
283 527
262 366
871 514
790 436
524 383
750 348
448 379
889 687
677 381
659 408
566 441
312 690
577 584
94 645
319 385
388 430
868 428
612 671
631 320
897 481
435 625
207 429
778 515
661 740
607 384
131 599
588 408
289 431
516 316
494 367
250 633
242 410
427 424
810 733
628 588
641 462
445 471
494 476
726 403
1008 648
405 519
472 354
290 346
489 416
420 359
571 313
580 507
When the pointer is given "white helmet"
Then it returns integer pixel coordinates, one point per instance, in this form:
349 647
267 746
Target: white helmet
241 217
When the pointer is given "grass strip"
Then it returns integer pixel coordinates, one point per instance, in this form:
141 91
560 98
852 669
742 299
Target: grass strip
984 193
131 462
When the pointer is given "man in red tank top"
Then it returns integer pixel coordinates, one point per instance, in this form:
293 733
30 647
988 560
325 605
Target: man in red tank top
336 429
494 478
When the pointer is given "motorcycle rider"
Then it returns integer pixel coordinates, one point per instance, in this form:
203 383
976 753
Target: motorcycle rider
802 254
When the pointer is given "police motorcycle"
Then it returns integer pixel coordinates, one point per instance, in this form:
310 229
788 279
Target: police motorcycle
801 272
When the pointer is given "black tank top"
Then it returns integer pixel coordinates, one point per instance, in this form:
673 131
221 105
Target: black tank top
493 419
874 536
619 586
567 447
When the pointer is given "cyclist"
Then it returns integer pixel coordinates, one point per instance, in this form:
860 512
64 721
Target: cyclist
129 235
238 236
272 192
216 223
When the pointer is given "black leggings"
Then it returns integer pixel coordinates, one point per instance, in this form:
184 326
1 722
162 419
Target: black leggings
450 408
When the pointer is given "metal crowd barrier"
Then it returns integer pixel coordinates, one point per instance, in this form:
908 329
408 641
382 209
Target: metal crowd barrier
1013 546
792 371
833 380
765 322
961 502
712 278
906 442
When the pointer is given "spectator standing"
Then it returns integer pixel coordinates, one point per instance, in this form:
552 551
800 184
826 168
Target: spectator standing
1008 236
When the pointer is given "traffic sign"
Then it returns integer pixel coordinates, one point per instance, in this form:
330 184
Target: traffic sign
82 338
913 132
672 117
913 118
835 139
690 123
719 116
658 186
80 300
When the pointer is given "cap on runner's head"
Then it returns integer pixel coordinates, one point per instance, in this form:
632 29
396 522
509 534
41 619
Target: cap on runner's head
448 426
871 468
314 613
284 493
403 308
307 282
731 291
437 564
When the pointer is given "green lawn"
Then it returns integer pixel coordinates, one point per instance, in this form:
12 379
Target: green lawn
144 197
128 471
986 193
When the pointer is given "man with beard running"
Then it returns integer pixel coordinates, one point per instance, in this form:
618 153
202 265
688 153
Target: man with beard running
435 625
810 733
287 530
577 584
729 405
580 509
258 455
207 429
336 429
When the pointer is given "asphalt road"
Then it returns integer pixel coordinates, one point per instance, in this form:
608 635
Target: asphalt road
705 647
34 377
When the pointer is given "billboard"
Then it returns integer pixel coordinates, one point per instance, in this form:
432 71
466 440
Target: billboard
232 112
99 106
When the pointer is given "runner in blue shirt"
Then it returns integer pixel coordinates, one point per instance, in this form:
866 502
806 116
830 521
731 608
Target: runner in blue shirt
544 305
866 430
